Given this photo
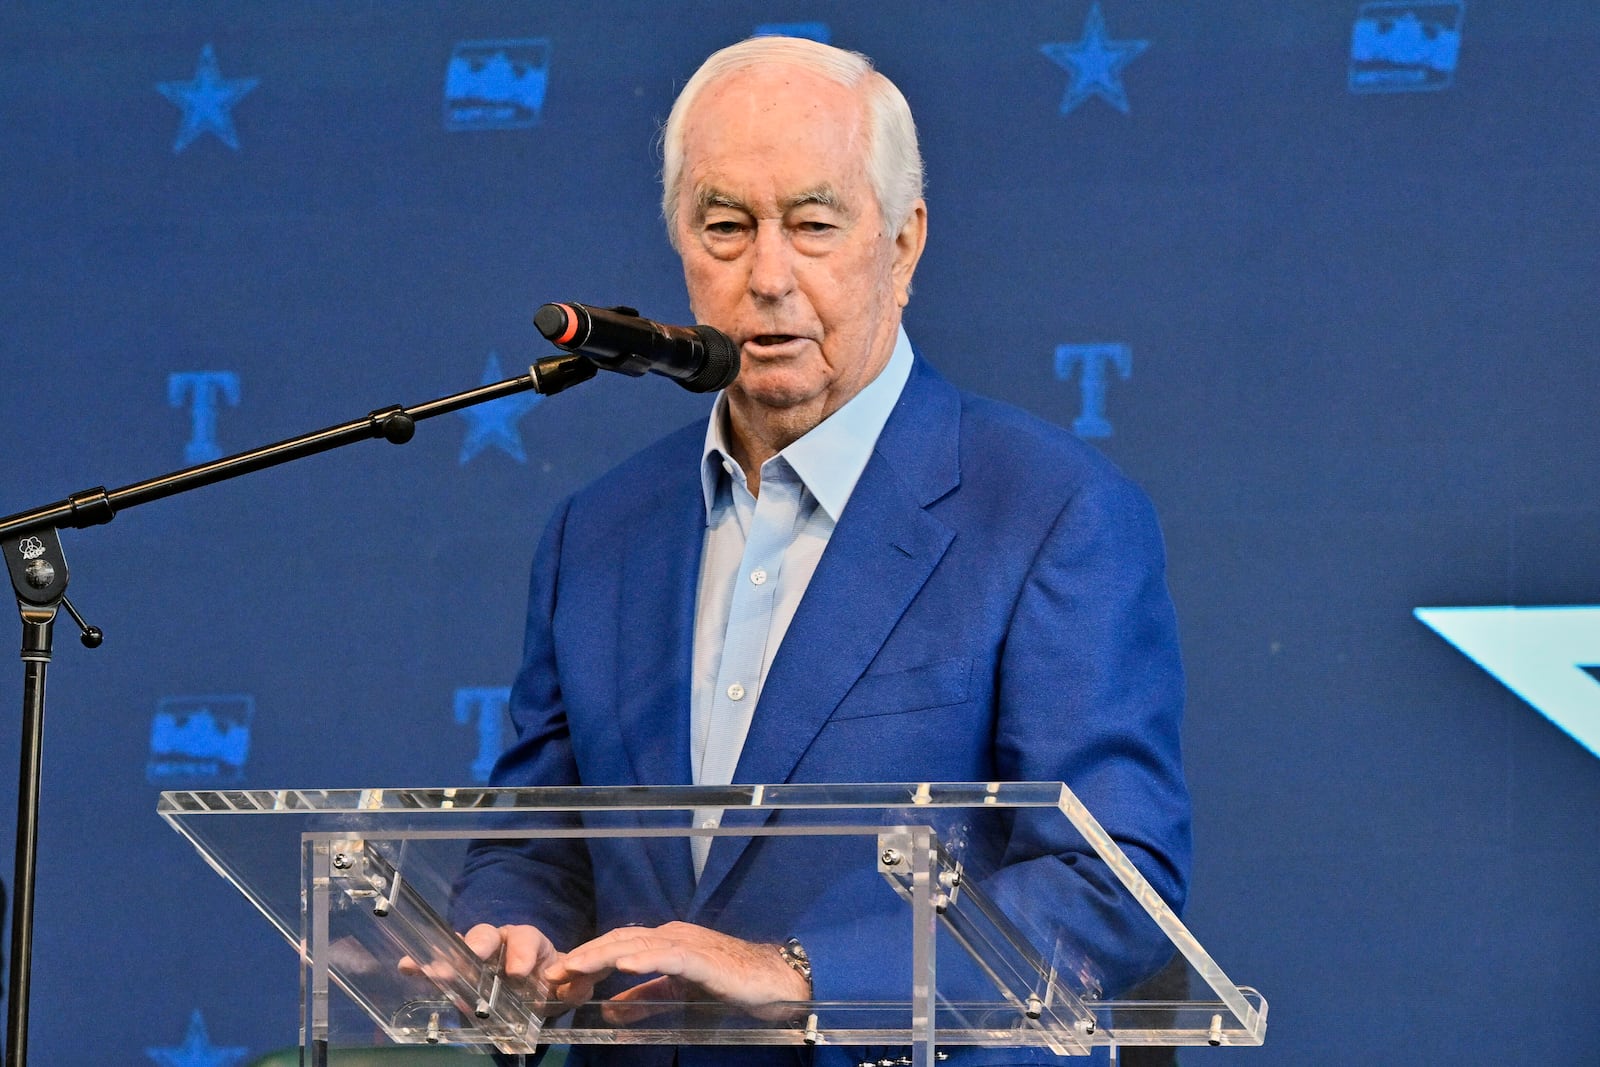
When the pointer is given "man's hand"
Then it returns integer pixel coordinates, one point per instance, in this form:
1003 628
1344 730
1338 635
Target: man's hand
527 953
529 957
691 961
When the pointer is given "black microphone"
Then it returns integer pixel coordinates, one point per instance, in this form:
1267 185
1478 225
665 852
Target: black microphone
702 359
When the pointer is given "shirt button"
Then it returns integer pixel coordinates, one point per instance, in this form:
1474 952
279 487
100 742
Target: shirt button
735 691
758 576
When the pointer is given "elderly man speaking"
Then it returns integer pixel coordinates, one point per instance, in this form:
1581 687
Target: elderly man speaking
854 573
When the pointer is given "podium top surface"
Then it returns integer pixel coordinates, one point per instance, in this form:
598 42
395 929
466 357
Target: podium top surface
792 797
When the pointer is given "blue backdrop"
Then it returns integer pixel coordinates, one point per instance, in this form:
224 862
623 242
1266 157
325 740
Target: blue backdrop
1321 275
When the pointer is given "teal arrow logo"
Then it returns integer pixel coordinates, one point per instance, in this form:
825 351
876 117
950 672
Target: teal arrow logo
1540 654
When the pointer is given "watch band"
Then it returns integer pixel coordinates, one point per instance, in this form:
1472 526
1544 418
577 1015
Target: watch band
794 954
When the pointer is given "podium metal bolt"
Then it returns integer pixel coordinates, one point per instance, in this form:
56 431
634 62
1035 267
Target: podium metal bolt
890 857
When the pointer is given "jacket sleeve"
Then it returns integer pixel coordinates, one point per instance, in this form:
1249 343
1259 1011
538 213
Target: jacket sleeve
1091 693
545 883
1087 690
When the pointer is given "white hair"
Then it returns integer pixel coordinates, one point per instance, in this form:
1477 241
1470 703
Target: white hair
894 164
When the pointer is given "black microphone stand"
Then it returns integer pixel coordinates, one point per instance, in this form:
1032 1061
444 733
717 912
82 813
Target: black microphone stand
31 545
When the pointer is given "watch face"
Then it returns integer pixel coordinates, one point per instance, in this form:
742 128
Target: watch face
794 954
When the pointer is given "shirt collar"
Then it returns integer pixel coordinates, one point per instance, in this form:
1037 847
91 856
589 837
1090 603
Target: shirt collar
828 460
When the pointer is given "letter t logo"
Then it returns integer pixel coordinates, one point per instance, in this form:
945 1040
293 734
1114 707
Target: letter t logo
488 707
1091 420
201 390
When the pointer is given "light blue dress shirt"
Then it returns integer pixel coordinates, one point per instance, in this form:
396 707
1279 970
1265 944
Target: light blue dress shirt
760 553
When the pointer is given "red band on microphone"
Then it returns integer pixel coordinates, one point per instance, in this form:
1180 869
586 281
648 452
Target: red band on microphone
572 325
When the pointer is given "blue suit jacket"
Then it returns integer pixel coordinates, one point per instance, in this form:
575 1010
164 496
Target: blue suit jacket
992 606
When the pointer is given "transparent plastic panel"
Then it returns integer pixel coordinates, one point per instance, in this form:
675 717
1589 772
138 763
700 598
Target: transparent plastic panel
936 915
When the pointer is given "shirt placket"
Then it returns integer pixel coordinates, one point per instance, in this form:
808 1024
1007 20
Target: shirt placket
750 620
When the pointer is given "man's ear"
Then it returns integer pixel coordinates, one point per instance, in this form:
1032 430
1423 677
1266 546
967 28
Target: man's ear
908 245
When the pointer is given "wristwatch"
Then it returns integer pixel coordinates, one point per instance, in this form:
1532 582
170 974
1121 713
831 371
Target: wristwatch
794 954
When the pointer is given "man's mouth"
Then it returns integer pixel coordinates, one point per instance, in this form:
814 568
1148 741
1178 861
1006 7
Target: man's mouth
772 340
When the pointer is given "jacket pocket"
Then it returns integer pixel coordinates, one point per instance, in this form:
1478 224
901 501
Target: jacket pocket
931 685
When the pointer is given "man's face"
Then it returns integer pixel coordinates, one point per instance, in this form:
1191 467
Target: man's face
784 248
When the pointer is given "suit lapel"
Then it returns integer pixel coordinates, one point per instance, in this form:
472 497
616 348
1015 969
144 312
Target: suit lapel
657 579
881 554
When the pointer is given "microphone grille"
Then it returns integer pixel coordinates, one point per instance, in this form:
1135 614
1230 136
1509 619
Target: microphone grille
721 364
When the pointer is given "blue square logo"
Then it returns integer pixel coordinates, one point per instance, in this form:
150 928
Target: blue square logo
200 739
496 85
1398 46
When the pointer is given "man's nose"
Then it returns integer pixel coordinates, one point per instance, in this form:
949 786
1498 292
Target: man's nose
771 262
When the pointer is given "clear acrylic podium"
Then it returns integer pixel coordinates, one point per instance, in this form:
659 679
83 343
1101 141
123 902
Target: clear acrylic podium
938 890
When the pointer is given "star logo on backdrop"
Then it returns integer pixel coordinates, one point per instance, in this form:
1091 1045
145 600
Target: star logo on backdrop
494 422
197 1049
207 102
1095 63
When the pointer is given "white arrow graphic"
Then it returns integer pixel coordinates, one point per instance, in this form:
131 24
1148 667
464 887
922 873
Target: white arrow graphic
1537 653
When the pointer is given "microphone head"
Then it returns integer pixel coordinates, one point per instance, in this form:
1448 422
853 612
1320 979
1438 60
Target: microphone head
721 364
558 323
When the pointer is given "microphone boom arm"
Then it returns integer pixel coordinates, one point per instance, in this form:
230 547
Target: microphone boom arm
31 546
396 424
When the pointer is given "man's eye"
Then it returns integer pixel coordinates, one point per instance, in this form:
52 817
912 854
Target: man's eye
814 226
723 229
